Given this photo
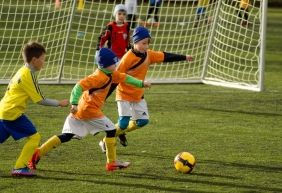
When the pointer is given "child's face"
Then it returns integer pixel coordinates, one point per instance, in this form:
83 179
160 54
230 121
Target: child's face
38 63
120 16
142 46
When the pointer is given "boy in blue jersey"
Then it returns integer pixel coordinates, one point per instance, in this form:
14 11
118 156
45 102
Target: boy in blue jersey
22 88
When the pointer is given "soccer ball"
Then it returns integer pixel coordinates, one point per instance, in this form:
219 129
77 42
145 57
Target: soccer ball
184 162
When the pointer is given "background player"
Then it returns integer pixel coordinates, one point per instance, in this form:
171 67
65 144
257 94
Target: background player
116 33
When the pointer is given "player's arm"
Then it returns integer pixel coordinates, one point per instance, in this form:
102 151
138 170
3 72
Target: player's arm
170 57
77 91
53 102
105 35
31 87
122 77
75 96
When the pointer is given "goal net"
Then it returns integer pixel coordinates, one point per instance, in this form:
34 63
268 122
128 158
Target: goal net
226 40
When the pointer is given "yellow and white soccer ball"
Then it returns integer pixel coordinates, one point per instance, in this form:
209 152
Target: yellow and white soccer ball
184 162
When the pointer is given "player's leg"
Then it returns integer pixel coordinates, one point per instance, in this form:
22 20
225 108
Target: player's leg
71 127
105 124
131 20
125 113
4 134
245 17
18 129
140 116
46 147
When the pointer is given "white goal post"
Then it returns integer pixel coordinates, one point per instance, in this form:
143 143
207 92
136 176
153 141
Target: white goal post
226 40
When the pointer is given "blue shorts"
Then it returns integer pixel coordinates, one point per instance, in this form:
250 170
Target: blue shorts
200 10
19 128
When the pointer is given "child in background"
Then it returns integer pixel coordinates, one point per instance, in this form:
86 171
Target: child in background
87 99
243 13
154 7
132 106
116 33
201 12
22 88
131 7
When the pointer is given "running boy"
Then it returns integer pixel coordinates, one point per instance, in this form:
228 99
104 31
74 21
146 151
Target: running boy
243 13
132 107
201 12
154 7
22 88
87 99
116 33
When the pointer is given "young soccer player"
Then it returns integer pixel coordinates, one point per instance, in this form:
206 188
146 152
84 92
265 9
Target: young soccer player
243 13
87 99
22 88
116 33
132 107
154 7
201 12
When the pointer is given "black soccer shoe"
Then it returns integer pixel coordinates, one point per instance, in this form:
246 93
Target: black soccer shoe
123 140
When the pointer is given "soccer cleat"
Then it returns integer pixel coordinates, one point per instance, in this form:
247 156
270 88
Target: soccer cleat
25 172
123 140
34 160
116 165
102 145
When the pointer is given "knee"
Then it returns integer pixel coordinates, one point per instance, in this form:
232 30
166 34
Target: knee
123 122
111 133
142 122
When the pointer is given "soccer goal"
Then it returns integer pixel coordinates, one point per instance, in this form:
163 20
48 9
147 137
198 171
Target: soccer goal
226 40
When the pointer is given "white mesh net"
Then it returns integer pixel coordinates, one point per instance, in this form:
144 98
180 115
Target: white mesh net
225 50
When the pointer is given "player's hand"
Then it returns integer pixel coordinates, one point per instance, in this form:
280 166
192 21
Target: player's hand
189 58
73 109
147 84
64 103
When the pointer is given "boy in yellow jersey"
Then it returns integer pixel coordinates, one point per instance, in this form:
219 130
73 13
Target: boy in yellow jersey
87 99
132 107
243 13
22 88
201 12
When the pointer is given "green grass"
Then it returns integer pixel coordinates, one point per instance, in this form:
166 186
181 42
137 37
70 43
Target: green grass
234 134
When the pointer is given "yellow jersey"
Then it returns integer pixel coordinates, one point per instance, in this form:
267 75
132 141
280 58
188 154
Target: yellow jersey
203 3
22 88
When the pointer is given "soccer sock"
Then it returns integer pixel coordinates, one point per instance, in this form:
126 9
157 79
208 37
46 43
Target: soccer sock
28 150
131 126
119 131
110 149
50 144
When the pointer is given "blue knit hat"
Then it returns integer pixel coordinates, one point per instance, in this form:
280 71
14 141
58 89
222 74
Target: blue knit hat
140 33
105 58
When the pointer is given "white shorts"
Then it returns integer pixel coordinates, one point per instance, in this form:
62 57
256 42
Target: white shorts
134 110
82 128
